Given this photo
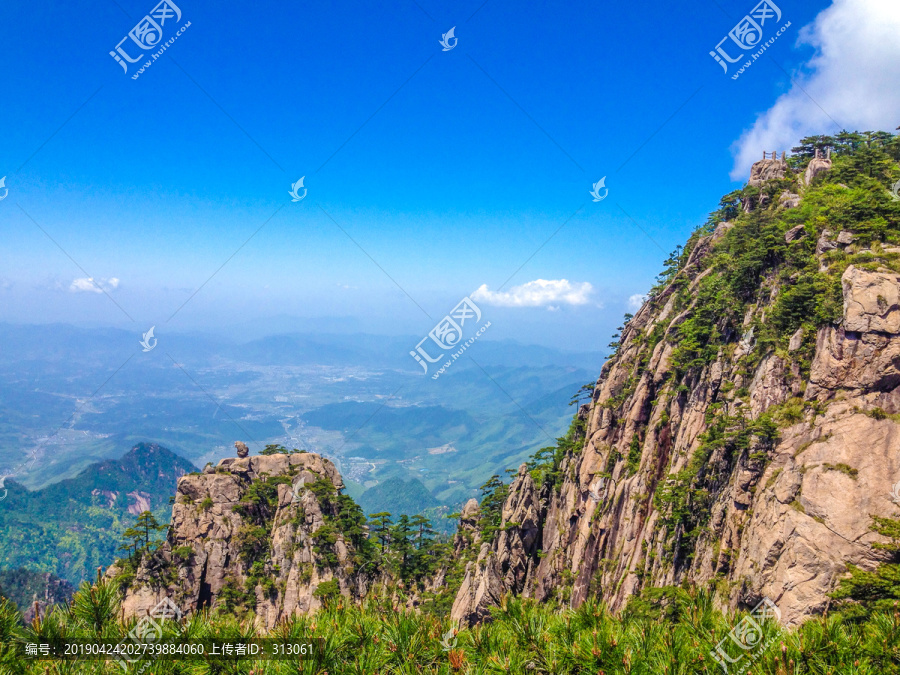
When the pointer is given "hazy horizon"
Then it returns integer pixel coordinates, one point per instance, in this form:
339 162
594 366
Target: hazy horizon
238 331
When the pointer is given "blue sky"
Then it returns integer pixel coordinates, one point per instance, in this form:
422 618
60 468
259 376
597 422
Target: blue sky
450 169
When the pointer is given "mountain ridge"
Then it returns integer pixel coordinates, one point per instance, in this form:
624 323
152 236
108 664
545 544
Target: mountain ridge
73 526
746 427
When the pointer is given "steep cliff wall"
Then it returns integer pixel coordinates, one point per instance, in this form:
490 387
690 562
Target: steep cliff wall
256 533
746 428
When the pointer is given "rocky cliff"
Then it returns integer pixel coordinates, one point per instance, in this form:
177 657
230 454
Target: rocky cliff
746 428
505 565
254 533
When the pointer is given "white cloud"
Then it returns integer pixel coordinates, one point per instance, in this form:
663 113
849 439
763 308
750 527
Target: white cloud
852 79
90 285
635 301
538 293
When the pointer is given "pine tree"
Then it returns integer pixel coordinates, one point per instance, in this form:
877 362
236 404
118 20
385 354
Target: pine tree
809 145
586 391
846 141
132 543
147 523
491 509
863 592
381 524
402 544
424 531
352 523
275 449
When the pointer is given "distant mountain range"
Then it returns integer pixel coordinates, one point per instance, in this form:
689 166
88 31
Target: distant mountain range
398 497
67 344
72 527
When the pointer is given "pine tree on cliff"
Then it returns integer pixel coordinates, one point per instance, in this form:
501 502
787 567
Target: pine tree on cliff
423 530
137 538
381 523
402 544
864 592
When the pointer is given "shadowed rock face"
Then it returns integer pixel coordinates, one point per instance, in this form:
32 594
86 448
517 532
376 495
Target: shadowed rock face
204 521
783 517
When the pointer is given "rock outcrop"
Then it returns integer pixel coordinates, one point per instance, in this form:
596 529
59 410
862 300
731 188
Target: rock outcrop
767 169
817 165
506 563
789 200
871 301
248 529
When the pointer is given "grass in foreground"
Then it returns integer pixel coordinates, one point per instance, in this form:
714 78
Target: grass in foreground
671 633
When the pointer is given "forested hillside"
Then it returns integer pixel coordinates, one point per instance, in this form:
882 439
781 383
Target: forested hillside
74 526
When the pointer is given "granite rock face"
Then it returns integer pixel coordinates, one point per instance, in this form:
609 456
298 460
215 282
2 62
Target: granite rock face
782 518
789 200
767 169
505 564
816 166
871 301
205 551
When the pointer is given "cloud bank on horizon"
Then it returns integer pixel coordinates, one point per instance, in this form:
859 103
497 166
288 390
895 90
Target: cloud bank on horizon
548 293
89 285
850 82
